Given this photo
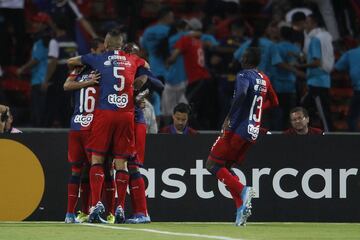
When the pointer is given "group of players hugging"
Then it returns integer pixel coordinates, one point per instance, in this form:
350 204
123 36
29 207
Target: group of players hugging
108 131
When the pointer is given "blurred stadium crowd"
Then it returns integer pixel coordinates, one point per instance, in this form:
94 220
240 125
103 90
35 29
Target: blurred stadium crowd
37 36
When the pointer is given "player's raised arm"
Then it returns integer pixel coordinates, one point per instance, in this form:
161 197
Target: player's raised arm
74 62
153 82
140 81
71 83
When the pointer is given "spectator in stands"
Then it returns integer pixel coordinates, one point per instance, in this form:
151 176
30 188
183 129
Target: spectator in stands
319 63
297 15
68 13
176 78
298 21
224 68
207 36
38 66
6 120
181 115
58 101
151 42
269 55
325 9
149 115
152 38
200 91
349 62
299 120
327 13
284 77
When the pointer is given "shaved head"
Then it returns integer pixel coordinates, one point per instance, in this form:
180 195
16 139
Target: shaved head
113 40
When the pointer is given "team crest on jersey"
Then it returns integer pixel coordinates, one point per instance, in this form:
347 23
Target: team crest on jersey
253 131
84 120
120 101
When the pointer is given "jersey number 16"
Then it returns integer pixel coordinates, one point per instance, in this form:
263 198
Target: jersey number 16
87 100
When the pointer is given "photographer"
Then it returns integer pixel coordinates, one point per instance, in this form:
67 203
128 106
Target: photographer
6 120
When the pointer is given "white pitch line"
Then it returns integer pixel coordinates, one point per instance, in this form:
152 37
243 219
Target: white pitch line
163 232
201 223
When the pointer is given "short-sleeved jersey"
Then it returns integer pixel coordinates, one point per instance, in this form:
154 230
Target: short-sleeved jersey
84 103
316 76
150 41
176 73
349 61
117 69
192 50
252 91
284 80
40 54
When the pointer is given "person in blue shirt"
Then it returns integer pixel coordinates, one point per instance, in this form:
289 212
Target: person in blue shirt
151 42
152 38
176 78
269 57
38 64
349 62
318 80
284 76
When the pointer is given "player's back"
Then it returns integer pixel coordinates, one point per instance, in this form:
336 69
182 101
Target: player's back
117 70
84 101
252 86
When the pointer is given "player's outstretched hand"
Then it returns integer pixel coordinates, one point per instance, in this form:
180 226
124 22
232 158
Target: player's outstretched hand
94 78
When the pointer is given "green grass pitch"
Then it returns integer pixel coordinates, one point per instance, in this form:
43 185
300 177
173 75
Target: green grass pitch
175 231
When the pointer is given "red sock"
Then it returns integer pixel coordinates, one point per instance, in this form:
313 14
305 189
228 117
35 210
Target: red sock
96 175
137 193
122 181
235 196
84 196
73 192
110 195
233 184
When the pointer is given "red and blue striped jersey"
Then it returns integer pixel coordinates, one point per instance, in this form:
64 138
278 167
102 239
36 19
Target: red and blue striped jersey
253 93
84 101
117 70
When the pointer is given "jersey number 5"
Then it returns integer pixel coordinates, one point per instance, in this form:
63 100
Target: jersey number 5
116 72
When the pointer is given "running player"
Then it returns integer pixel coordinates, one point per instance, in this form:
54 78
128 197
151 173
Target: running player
253 93
113 126
83 81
